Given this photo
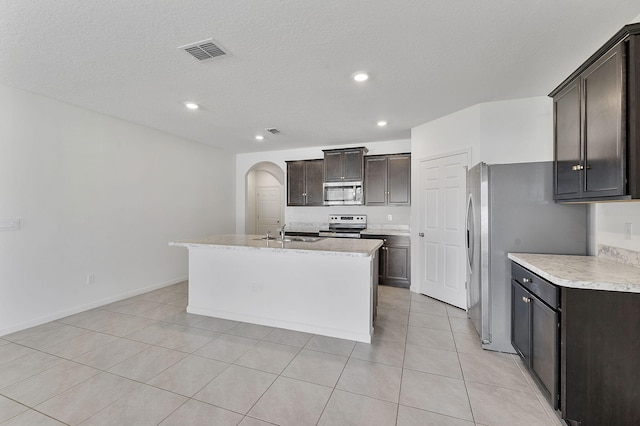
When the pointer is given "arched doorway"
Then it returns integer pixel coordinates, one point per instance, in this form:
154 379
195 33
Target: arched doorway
264 203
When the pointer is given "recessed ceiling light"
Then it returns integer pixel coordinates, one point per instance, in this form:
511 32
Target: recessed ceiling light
259 137
382 123
360 77
191 105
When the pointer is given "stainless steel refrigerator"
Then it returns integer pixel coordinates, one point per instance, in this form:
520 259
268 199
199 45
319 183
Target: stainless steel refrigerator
510 208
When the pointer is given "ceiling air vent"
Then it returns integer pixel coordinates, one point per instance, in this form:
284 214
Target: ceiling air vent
204 50
272 130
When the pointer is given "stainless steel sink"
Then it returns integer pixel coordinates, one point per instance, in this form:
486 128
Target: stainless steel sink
299 239
303 239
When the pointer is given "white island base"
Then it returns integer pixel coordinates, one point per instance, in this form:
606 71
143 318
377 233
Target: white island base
296 286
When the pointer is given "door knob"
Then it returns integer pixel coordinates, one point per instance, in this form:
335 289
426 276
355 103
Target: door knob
421 234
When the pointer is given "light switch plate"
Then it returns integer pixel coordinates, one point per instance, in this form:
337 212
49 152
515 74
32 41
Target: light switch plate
9 224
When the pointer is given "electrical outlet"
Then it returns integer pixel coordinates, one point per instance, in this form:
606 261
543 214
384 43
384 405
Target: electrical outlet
389 217
628 230
10 224
91 279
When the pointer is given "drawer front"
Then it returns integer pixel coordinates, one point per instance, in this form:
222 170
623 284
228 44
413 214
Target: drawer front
543 289
390 240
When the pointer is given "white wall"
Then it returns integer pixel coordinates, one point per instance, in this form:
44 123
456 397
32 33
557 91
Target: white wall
519 130
101 196
500 132
376 215
514 131
610 219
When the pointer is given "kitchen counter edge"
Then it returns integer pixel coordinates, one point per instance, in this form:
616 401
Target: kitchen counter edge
325 246
581 272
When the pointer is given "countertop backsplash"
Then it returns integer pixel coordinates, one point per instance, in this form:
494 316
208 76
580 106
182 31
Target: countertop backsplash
383 227
306 226
620 255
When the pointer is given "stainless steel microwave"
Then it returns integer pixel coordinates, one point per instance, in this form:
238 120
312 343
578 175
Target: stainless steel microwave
343 193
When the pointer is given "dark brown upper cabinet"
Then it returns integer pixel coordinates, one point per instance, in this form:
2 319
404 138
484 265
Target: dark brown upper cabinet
344 165
304 183
388 179
597 125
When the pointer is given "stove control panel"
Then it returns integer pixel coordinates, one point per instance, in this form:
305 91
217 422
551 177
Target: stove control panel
360 219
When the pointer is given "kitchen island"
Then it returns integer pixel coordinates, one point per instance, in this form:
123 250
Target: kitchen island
324 286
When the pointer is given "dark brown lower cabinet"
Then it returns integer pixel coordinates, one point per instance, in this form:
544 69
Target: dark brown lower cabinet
395 260
535 327
600 357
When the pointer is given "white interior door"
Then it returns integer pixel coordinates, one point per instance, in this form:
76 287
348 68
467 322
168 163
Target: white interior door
442 205
268 210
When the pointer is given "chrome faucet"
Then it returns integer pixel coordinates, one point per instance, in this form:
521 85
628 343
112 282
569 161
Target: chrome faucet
282 233
268 235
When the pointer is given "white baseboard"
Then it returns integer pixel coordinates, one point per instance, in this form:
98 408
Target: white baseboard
77 309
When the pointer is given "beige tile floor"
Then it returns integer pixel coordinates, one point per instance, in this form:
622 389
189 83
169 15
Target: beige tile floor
145 361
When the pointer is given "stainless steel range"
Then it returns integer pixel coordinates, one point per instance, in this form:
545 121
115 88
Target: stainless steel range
345 226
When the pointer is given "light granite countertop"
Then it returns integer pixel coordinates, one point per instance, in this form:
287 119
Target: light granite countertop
324 246
585 272
386 231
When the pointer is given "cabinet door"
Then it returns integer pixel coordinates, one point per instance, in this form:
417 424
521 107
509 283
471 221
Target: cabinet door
375 180
295 183
314 176
599 357
604 164
333 166
382 265
520 321
544 345
566 107
352 165
397 267
399 179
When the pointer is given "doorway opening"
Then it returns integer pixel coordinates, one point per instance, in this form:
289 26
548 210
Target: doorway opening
264 203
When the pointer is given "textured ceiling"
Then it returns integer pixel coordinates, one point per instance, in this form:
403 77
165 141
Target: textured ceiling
291 61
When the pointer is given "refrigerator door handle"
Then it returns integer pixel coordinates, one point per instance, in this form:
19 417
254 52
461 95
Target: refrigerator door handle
470 234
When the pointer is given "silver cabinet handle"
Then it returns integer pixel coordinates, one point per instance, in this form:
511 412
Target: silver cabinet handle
527 280
577 167
421 234
526 299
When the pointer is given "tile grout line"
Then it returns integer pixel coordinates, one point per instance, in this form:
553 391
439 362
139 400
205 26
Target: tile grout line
461 370
404 355
333 389
547 407
188 353
464 380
